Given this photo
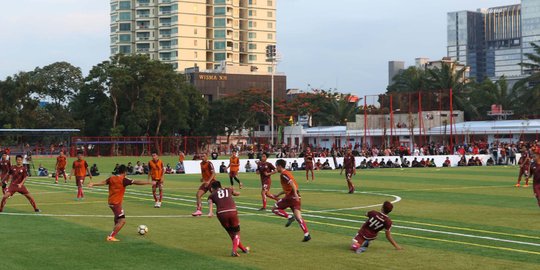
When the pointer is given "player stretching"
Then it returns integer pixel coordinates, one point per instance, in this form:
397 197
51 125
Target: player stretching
535 171
61 167
156 173
524 169
79 168
208 177
227 214
291 200
234 167
18 175
375 223
349 166
5 166
117 187
308 161
265 170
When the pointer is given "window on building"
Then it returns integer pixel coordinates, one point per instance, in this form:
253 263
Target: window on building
219 1
270 36
219 34
219 45
195 31
125 16
252 46
269 3
125 27
252 58
125 38
196 55
195 43
270 14
219 11
125 4
252 35
252 13
270 25
219 23
125 49
219 57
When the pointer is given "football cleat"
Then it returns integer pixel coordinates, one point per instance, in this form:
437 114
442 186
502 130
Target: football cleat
262 209
289 221
235 254
112 239
526 185
246 250
157 205
517 185
197 213
306 238
360 250
241 185
37 210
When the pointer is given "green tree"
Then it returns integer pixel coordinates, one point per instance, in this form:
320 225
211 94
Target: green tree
59 81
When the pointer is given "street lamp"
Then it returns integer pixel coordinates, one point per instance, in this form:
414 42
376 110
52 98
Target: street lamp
271 57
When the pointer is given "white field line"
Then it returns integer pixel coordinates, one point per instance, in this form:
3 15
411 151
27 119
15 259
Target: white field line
361 222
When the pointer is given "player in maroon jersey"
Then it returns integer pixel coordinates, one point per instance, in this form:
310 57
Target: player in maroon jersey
227 214
535 171
349 165
308 161
265 169
291 200
18 175
524 169
375 223
5 166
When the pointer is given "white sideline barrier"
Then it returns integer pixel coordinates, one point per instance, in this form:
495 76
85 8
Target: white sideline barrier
193 166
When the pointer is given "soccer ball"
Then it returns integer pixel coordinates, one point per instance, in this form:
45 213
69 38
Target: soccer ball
142 229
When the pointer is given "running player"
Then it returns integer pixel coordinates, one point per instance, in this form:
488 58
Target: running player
208 176
265 169
291 200
349 166
18 175
61 167
5 166
227 214
375 223
535 171
79 168
524 169
308 161
156 173
117 187
234 167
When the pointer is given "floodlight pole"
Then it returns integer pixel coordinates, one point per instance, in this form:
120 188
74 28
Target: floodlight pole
272 101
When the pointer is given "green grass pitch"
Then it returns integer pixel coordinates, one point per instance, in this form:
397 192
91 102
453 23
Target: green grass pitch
447 218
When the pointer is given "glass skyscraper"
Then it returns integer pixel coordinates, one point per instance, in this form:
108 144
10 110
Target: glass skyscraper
493 41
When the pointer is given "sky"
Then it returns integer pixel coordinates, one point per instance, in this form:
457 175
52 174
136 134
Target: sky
343 46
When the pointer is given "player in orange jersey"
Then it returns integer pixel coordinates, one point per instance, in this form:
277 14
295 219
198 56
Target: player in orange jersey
234 167
61 161
79 169
291 200
117 187
208 177
156 173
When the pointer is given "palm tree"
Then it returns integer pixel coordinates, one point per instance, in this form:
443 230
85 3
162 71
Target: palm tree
529 92
337 111
447 77
489 92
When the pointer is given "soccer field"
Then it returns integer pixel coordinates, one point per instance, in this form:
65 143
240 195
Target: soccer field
444 218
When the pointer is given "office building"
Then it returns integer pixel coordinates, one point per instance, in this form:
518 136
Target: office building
493 41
